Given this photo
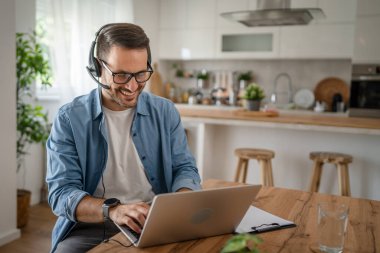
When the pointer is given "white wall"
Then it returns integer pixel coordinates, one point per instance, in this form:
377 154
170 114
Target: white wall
146 15
30 176
8 230
303 73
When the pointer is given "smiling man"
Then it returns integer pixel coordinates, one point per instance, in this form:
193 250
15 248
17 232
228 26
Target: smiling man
109 152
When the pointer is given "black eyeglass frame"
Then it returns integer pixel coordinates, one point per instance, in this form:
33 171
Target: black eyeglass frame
150 70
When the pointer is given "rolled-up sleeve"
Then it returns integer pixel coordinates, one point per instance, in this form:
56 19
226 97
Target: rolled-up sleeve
64 174
185 172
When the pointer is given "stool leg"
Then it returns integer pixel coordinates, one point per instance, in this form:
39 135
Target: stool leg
263 170
316 179
238 170
270 173
245 170
348 180
344 182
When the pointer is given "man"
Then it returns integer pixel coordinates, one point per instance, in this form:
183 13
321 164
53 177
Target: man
111 151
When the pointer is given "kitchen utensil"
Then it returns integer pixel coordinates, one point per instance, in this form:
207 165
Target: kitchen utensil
328 87
304 98
337 101
156 86
320 106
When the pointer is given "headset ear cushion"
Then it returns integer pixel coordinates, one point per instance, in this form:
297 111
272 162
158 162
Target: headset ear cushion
93 63
97 67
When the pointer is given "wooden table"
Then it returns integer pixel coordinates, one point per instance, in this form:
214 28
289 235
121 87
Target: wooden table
363 230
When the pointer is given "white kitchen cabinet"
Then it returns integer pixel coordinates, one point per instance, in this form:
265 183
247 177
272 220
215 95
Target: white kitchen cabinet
200 14
317 42
248 43
304 3
187 44
367 39
368 8
200 43
187 29
194 29
229 6
337 11
173 14
171 44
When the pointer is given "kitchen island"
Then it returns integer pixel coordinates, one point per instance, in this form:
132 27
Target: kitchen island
214 133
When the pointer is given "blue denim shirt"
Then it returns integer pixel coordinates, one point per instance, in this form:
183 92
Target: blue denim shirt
77 153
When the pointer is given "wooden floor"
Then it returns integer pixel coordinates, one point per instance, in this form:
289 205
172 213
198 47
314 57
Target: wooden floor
36 236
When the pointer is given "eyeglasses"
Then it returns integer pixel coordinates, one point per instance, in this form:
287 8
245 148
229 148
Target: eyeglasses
124 77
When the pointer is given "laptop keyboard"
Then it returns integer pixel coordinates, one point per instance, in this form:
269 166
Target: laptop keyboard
135 236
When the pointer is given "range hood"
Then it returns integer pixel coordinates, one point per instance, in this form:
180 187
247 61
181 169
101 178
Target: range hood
275 13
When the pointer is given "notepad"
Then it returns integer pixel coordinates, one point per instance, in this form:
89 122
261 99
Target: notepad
257 220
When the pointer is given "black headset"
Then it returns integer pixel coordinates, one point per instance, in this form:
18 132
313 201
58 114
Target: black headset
94 68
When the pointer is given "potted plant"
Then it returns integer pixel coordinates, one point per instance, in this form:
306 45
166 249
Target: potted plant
253 94
202 79
32 123
242 243
244 78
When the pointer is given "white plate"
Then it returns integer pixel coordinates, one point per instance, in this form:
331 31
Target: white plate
304 98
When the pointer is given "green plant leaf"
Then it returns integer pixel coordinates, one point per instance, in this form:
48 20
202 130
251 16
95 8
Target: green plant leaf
31 65
235 244
242 243
253 92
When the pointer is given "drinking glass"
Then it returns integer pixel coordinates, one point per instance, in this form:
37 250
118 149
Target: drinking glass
332 225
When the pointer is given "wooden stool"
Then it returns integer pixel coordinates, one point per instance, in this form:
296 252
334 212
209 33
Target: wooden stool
341 162
263 156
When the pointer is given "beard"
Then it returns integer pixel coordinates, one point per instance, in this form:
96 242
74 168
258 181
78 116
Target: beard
122 98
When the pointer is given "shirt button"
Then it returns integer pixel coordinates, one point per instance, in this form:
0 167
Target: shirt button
152 179
143 157
134 134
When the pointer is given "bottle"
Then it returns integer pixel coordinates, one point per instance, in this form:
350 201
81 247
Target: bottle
336 103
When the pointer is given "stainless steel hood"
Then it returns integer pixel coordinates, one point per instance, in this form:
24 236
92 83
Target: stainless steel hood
275 13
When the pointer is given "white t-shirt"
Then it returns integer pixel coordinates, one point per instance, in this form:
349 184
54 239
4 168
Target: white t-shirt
124 176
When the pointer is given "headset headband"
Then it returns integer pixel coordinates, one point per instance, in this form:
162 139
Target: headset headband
94 67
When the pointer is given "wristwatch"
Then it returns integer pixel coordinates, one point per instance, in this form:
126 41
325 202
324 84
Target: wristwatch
106 207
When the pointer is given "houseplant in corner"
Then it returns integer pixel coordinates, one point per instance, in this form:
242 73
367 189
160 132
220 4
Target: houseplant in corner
253 94
32 123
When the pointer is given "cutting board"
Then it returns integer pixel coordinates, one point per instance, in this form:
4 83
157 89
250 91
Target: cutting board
245 112
156 86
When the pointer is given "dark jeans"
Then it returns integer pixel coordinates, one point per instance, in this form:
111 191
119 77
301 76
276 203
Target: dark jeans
85 236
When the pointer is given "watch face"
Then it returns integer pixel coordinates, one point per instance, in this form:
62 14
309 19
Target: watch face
112 201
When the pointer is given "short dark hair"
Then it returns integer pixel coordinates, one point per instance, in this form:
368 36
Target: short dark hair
122 34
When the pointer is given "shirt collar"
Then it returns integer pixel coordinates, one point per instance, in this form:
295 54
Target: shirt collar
140 109
97 105
142 104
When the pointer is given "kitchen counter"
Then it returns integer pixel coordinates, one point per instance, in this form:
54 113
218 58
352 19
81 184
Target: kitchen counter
299 119
215 132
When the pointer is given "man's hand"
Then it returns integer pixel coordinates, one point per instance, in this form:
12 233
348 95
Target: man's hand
132 215
184 190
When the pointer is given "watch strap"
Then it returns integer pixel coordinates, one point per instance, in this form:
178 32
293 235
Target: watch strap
107 204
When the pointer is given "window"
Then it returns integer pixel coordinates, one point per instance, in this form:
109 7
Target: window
69 27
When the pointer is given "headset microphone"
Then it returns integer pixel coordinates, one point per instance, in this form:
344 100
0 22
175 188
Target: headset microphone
104 86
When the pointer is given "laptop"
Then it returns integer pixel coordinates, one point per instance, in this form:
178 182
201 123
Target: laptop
181 216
